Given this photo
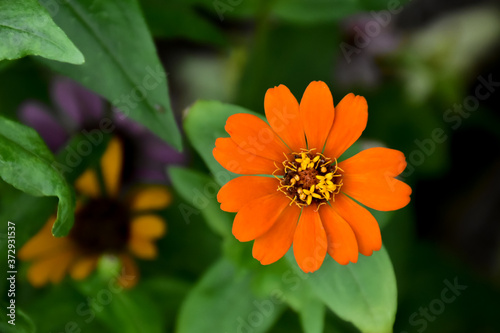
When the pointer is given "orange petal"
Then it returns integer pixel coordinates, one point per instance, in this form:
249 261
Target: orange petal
63 262
342 245
148 226
351 115
111 166
258 216
255 136
369 178
83 267
282 113
39 272
151 197
240 191
362 222
274 244
385 161
88 184
43 243
310 242
142 247
130 273
317 113
237 160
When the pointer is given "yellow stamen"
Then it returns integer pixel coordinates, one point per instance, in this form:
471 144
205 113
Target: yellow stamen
318 173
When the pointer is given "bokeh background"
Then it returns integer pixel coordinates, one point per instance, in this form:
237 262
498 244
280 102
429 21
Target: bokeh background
430 72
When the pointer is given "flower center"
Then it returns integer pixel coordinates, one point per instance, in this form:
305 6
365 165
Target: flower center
101 226
310 178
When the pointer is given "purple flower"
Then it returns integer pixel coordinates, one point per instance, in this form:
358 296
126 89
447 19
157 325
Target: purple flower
77 109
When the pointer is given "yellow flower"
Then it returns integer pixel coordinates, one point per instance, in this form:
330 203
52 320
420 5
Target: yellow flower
106 223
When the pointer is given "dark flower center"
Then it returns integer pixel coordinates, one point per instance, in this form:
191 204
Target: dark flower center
310 178
102 226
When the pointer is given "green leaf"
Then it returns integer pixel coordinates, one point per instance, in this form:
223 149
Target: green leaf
27 164
26 28
203 125
223 302
363 293
201 191
121 61
20 323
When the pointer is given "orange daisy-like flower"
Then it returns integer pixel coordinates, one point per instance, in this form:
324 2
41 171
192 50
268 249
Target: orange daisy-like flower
105 224
309 201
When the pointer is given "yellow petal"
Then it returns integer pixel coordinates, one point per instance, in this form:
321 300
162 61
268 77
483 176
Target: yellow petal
148 226
63 262
82 267
151 197
88 184
39 273
43 243
142 247
111 166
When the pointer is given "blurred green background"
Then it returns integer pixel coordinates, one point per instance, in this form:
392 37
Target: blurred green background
425 67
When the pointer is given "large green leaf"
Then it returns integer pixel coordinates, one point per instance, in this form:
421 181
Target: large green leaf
121 61
223 302
363 293
203 125
26 28
27 164
201 191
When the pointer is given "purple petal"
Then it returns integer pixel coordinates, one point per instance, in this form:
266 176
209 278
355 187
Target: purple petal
81 105
151 173
37 116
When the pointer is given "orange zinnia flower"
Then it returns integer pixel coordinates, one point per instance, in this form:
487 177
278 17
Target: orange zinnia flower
308 201
105 224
